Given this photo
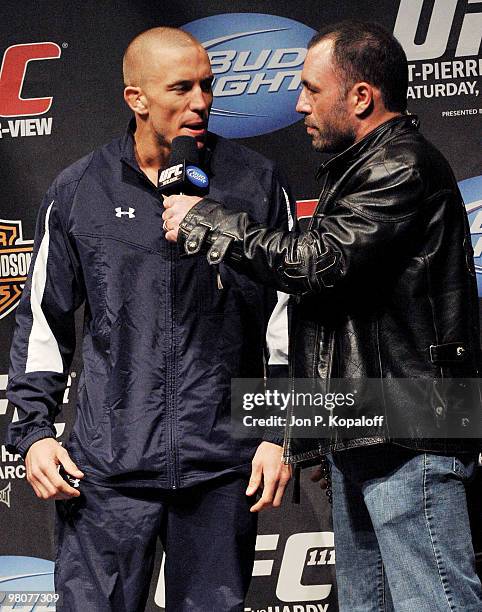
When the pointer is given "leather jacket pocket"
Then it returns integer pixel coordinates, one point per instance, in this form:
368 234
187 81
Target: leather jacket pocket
449 353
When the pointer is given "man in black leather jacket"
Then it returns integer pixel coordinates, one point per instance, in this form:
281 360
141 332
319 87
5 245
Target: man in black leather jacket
385 289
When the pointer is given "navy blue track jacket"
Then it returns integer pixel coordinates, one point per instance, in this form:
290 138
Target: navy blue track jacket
161 340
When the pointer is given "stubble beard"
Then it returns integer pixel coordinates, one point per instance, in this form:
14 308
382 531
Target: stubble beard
336 134
334 138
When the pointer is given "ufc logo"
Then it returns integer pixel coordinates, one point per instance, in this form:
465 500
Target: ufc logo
301 549
12 76
441 23
318 545
170 172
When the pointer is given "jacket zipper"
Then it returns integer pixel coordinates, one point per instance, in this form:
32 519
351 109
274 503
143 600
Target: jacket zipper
291 375
172 464
320 201
172 468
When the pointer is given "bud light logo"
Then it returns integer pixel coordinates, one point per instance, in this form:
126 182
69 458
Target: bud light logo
197 176
471 190
257 61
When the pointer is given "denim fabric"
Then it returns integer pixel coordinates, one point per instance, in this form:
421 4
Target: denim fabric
402 535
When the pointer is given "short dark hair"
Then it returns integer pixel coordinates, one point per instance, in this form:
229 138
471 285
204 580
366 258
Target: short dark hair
365 51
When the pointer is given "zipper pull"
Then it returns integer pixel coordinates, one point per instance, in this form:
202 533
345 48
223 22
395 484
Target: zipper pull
219 282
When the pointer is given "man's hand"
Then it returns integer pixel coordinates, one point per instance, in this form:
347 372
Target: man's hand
269 473
42 461
177 207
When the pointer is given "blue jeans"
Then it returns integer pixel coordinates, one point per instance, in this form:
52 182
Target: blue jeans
402 535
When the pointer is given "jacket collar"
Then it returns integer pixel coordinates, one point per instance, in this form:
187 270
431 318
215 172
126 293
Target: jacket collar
127 148
128 156
376 137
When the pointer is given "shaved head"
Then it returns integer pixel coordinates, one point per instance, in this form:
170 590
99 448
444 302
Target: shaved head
168 86
142 53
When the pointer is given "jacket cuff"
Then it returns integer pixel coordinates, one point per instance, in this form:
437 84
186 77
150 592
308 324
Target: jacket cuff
194 227
205 229
39 434
275 437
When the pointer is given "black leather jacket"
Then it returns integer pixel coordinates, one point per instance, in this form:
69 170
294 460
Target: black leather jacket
384 277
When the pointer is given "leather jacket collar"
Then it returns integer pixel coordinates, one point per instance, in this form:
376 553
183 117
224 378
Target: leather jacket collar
377 136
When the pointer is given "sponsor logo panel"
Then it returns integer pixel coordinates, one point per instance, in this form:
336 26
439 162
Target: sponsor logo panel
257 61
15 257
5 495
197 176
296 570
437 70
13 74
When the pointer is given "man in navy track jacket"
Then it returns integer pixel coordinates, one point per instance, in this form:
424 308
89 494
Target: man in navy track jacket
152 445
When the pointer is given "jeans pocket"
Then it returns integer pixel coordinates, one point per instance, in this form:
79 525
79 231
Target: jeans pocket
464 467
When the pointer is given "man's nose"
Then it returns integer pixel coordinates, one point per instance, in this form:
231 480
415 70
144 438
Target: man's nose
200 100
302 106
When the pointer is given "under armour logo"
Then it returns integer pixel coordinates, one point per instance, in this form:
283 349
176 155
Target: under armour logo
130 213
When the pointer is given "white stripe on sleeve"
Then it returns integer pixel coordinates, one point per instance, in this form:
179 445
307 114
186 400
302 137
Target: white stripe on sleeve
288 210
277 332
43 352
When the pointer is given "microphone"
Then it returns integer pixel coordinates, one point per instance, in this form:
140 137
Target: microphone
183 175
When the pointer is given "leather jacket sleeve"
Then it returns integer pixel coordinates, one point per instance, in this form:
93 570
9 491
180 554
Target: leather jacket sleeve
365 226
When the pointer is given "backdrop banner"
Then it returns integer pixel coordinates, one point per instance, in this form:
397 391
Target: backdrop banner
61 96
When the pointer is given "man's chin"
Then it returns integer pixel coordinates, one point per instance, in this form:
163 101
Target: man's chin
319 146
318 143
332 147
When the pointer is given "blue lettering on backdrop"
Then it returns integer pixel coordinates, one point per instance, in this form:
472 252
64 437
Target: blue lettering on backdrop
257 61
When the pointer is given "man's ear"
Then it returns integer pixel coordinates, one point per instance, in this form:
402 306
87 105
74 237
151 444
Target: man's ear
135 100
362 97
